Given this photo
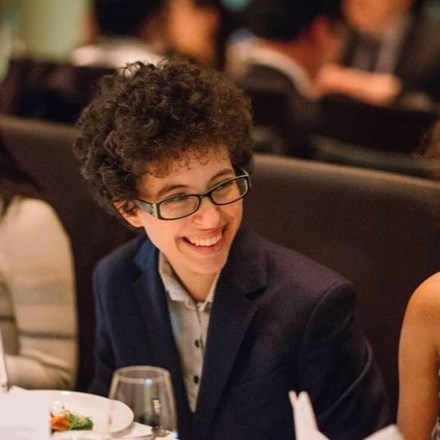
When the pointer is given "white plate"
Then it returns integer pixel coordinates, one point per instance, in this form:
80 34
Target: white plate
90 405
136 430
139 431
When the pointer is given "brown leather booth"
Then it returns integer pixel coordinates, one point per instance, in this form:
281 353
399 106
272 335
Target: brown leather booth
47 89
392 129
381 230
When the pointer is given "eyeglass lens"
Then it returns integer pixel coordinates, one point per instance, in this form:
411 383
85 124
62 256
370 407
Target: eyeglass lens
223 194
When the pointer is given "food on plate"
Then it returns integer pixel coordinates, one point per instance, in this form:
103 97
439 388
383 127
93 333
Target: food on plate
62 419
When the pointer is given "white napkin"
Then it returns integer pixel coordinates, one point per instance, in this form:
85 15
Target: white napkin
389 433
23 417
306 427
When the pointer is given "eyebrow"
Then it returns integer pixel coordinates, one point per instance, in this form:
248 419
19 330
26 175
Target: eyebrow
173 186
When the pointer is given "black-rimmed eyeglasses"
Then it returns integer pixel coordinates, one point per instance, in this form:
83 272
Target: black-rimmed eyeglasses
176 207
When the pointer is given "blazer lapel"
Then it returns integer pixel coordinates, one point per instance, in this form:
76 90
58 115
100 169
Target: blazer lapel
151 297
232 312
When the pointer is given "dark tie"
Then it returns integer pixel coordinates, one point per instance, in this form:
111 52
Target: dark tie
367 54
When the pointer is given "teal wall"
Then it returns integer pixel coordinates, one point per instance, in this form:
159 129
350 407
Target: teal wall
6 34
47 29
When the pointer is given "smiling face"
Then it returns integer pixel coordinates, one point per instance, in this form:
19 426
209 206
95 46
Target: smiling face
196 246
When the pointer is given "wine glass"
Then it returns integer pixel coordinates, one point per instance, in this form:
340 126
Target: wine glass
148 392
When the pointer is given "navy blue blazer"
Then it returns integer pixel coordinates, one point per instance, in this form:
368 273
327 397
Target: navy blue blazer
279 322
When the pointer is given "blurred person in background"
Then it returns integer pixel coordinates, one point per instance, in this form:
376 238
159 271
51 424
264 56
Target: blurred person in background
138 30
37 293
124 31
200 29
392 53
294 40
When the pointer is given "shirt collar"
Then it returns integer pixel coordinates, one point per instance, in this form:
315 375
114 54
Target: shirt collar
175 290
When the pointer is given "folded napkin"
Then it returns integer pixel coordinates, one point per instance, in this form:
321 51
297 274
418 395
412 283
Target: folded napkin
306 427
23 417
389 433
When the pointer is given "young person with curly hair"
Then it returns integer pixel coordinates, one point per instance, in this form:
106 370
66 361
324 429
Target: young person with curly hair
237 320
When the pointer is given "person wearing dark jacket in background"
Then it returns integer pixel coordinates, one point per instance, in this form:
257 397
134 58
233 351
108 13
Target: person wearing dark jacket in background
295 40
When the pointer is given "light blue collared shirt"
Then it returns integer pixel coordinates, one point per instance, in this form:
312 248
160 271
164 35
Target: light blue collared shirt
189 321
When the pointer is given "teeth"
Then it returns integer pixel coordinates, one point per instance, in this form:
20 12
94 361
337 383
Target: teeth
207 241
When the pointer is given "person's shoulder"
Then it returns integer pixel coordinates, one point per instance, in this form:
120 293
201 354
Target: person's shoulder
121 256
31 206
422 315
256 77
292 280
425 301
31 213
305 271
285 265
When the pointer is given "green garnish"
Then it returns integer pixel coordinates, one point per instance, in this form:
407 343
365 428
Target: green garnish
79 422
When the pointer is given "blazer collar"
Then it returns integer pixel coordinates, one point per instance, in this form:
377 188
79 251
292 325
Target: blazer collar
246 261
241 281
151 296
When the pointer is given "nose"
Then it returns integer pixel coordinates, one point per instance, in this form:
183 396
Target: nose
208 214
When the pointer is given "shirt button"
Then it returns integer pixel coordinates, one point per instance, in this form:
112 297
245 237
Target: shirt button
196 379
197 343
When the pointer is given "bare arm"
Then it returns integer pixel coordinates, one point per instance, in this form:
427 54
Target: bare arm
419 362
373 88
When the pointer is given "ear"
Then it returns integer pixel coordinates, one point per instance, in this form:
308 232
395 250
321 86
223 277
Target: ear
327 37
320 29
407 4
132 216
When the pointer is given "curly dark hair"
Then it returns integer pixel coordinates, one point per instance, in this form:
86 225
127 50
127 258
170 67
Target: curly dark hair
147 117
